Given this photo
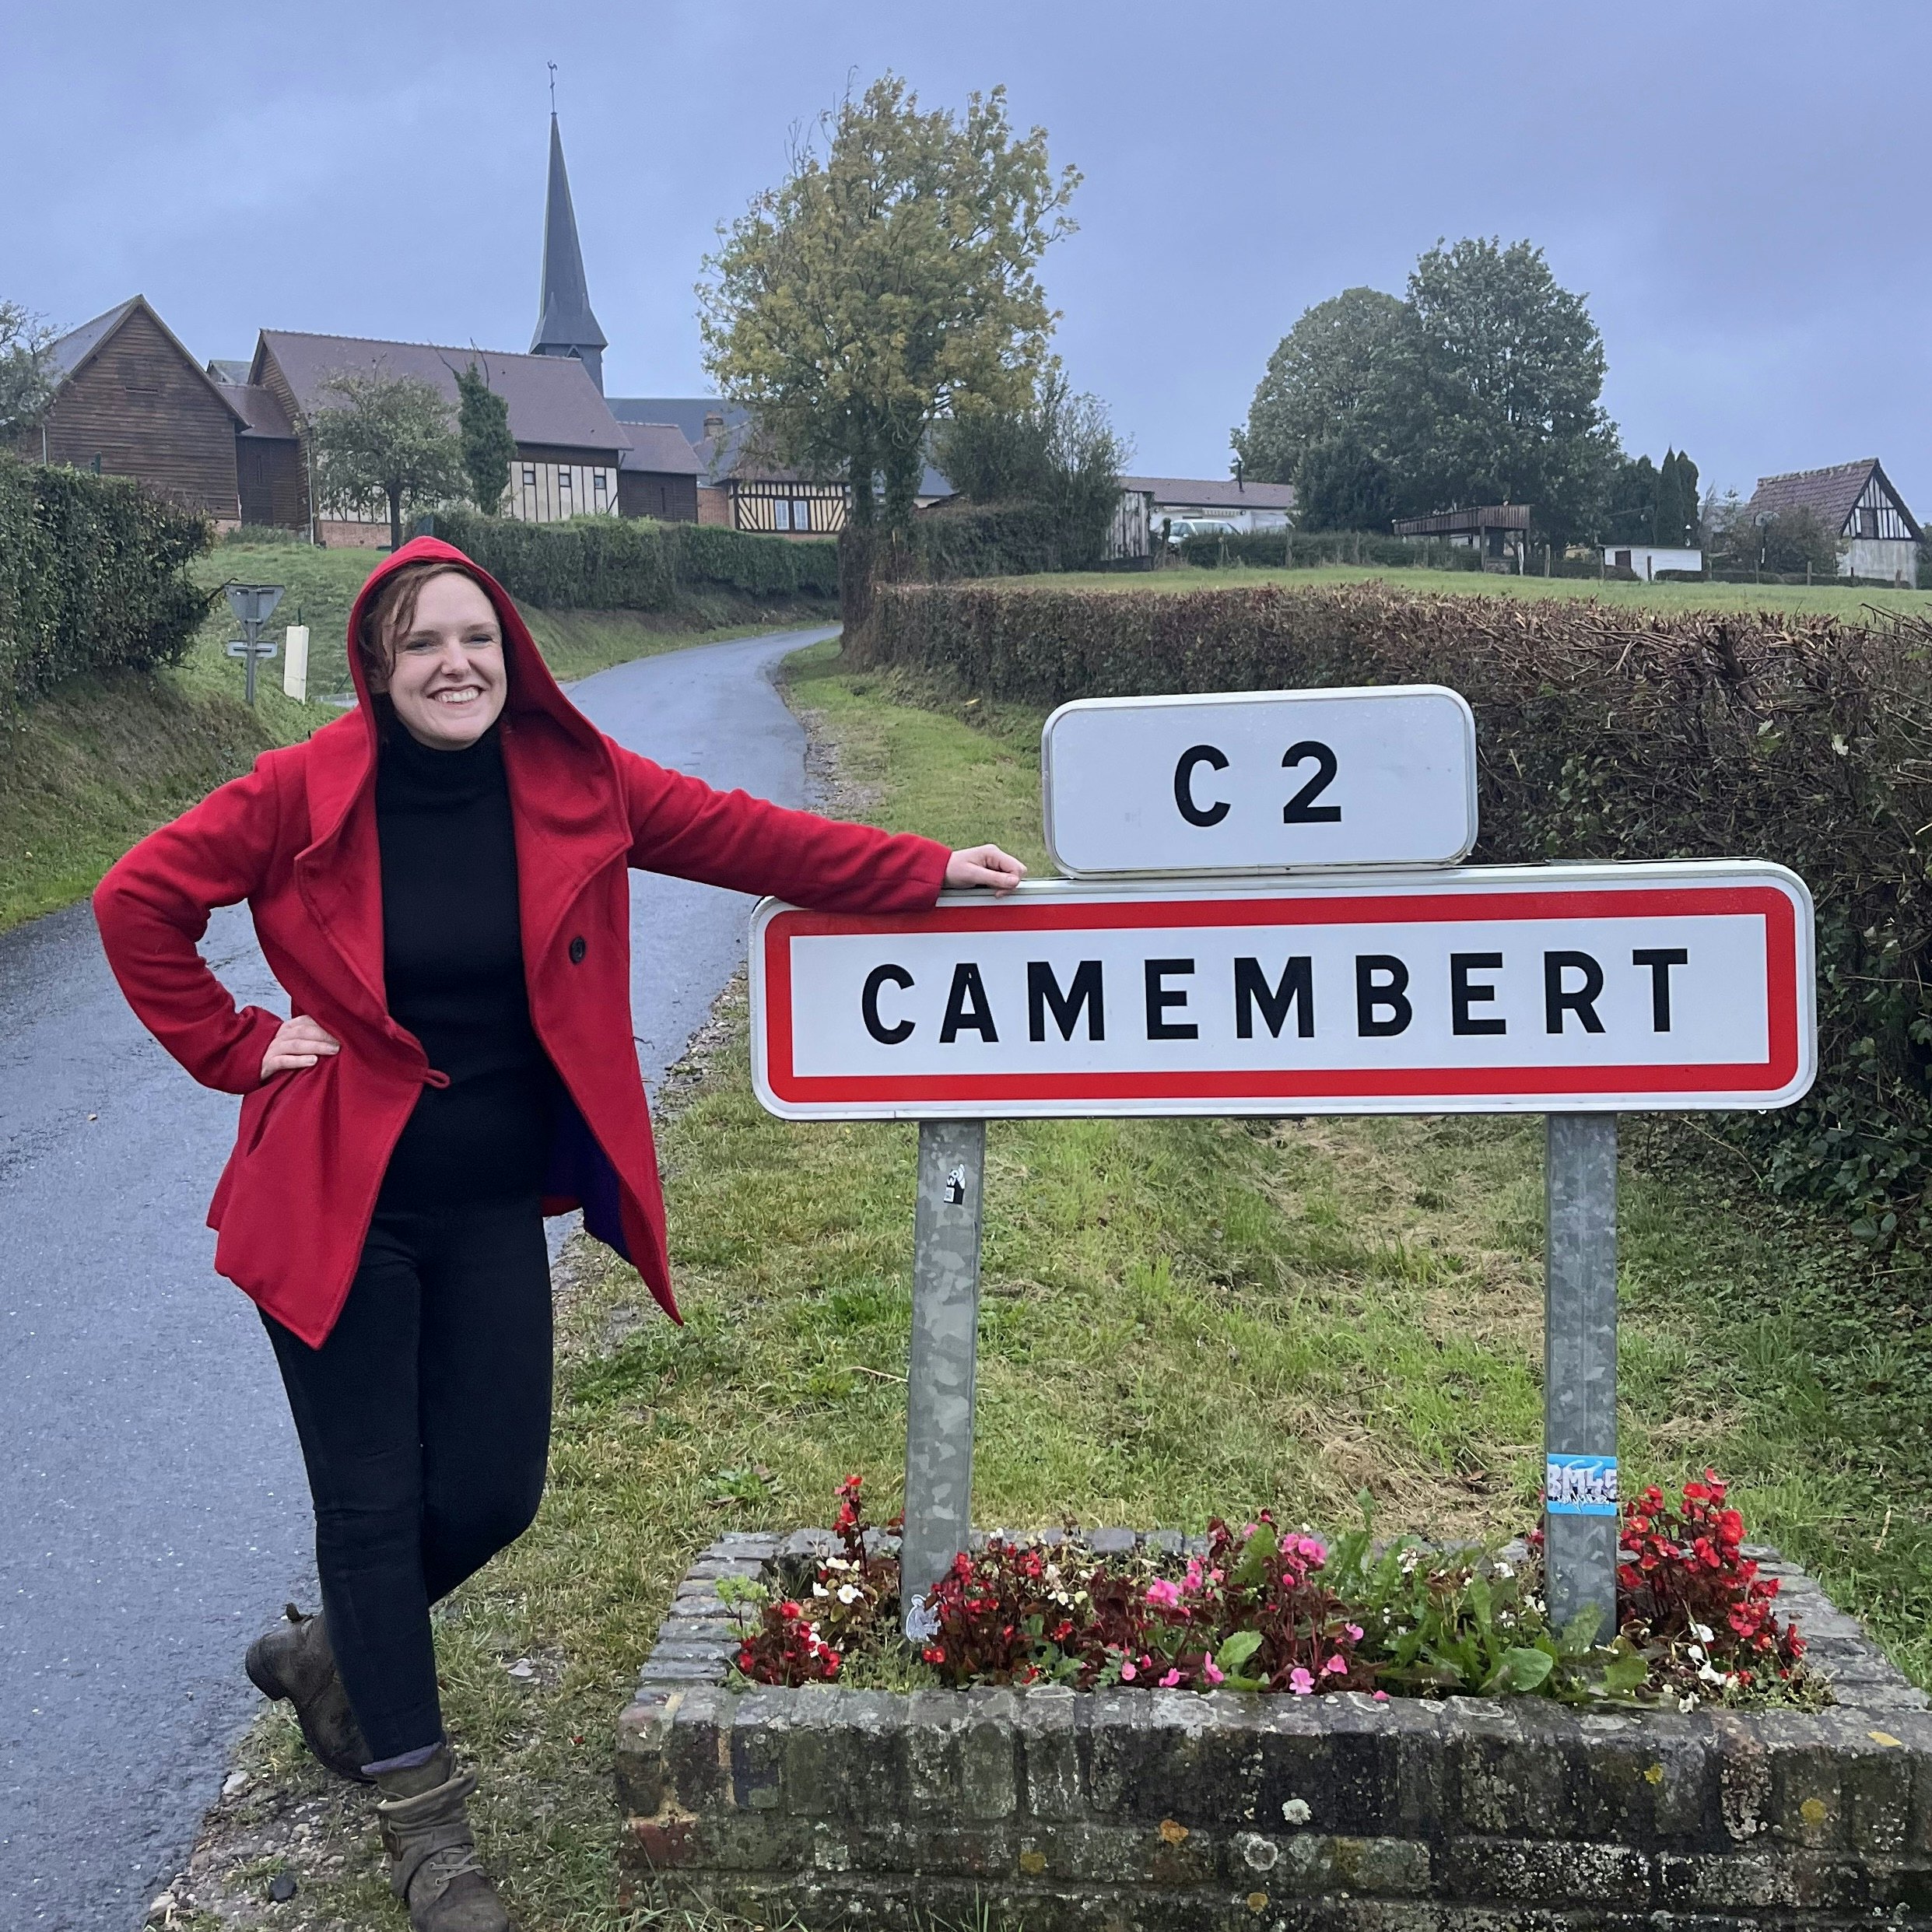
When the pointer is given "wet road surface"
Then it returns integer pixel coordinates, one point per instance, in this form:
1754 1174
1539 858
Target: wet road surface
153 1512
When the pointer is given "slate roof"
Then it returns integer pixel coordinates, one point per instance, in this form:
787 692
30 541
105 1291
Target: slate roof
262 414
566 324
552 399
1218 492
223 369
1830 495
660 447
686 413
67 355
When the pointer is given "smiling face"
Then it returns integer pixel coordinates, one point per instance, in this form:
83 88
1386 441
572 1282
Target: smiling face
445 674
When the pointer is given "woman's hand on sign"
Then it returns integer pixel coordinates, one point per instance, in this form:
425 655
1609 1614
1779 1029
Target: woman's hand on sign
984 865
299 1042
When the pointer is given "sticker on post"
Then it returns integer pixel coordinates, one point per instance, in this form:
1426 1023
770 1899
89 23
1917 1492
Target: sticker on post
922 1623
1580 1485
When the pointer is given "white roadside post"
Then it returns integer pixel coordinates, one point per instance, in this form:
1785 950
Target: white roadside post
1409 984
295 663
253 605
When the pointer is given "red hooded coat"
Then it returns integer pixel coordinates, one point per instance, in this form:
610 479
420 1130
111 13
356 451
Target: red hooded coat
296 839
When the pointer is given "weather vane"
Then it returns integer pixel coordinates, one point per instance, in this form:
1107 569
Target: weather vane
552 66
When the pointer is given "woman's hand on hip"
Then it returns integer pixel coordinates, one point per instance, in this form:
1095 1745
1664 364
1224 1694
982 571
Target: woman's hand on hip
984 865
300 1042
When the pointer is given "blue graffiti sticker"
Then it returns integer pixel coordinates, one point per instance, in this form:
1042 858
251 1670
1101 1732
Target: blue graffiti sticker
1580 1485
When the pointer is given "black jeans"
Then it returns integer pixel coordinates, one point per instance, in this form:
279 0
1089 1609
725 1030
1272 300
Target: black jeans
424 1423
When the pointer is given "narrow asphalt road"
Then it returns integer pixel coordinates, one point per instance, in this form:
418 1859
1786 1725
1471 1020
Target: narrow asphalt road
153 1512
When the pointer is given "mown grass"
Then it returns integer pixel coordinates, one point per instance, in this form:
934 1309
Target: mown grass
100 762
1836 600
1179 1318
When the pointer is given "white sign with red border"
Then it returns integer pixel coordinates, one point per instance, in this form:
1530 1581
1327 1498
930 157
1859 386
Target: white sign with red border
1482 989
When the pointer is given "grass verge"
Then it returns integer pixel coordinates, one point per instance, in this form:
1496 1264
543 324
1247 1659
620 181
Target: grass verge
100 762
1178 1316
1837 599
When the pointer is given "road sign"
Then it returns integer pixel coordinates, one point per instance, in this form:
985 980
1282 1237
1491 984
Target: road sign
1260 782
253 604
1546 989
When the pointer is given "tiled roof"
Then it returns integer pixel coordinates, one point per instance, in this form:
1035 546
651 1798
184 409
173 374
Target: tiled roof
223 369
1218 492
261 414
552 399
660 447
1830 495
687 413
67 352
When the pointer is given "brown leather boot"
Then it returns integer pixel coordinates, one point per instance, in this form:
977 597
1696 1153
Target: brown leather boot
293 1661
432 1865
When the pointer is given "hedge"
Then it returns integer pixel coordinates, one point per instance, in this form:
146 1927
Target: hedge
94 576
1306 549
1602 733
956 540
601 563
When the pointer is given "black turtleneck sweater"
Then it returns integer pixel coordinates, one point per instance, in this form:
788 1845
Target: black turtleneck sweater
453 967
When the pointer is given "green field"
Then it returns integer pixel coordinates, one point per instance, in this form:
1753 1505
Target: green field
1178 1318
1834 599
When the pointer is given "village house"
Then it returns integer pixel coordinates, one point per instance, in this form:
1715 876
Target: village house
1878 536
1248 506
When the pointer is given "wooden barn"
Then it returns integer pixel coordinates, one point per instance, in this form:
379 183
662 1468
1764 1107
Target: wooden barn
1878 536
130 401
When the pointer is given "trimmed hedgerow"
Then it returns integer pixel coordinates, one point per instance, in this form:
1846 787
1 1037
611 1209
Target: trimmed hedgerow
612 563
94 576
1602 733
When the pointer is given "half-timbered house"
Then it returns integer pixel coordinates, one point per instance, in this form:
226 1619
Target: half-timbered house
1878 536
130 401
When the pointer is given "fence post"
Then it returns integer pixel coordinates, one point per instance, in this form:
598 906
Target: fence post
939 1385
1579 1385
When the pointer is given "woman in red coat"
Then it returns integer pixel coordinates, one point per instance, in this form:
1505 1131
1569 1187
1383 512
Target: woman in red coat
439 882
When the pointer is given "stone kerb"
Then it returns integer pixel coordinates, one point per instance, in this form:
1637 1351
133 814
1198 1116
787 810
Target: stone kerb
1167 1812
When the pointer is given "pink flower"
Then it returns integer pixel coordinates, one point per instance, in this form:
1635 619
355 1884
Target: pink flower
1247 1529
1310 1551
1300 1682
1337 1665
1381 1697
1127 1673
1163 1595
1353 1631
1170 1680
1213 1672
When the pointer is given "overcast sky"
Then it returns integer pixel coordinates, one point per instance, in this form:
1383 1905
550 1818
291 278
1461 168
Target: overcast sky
1739 189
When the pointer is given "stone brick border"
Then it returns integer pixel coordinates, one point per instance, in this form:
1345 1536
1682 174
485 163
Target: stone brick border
1169 1811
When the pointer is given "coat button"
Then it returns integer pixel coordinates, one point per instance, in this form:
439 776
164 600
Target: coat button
576 950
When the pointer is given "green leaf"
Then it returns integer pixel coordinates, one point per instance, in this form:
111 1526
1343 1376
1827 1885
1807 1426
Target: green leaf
1237 1649
1251 1571
1527 1669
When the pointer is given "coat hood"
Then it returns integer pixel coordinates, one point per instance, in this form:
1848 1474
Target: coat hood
533 690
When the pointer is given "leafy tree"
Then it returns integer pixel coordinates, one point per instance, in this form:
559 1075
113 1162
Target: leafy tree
1693 524
483 425
1498 397
387 436
1796 540
1630 500
885 284
1341 484
1060 451
26 378
1327 383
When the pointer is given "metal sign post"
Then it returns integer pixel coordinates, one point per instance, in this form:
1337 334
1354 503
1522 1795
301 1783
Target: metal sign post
1579 1376
253 605
939 1383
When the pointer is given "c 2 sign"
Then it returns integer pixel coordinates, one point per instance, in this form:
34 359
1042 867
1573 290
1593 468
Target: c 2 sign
1263 781
1484 990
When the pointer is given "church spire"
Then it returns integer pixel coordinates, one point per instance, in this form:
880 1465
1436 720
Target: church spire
565 326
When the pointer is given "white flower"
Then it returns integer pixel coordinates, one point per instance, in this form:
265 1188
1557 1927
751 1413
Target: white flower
1710 1674
1502 1568
819 1590
1696 1650
1702 1631
1688 1702
848 1592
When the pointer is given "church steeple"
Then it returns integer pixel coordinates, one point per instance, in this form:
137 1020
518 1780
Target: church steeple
564 326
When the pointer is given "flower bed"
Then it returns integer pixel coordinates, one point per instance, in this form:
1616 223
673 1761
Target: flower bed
1263 1608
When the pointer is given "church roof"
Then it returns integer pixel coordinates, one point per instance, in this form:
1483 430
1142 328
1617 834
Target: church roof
565 323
